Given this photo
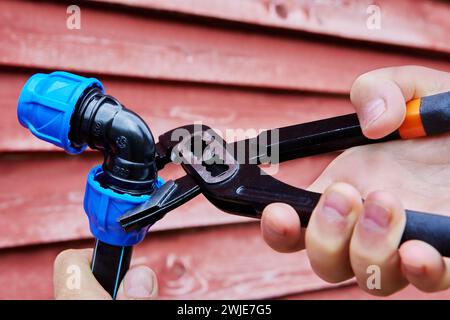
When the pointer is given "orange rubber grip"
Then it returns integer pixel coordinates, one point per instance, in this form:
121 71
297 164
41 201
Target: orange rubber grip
412 127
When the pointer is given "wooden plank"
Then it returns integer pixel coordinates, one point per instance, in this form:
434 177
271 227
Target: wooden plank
161 49
353 292
166 105
41 197
423 25
214 263
46 205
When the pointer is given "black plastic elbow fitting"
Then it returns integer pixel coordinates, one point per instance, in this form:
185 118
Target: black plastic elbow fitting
124 138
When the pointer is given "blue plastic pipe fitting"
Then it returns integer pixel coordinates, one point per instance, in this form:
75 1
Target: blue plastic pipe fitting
72 112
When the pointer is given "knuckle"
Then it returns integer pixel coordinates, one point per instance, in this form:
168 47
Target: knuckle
361 258
365 77
377 292
401 70
332 273
63 257
330 261
326 275
363 81
66 295
357 88
431 284
426 288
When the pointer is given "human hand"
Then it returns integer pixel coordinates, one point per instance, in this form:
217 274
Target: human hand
345 236
139 281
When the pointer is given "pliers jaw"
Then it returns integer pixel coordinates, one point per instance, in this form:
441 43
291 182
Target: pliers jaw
173 193
169 196
202 154
213 169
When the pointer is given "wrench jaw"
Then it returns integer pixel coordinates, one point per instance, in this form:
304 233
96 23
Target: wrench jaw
233 187
168 197
202 154
169 140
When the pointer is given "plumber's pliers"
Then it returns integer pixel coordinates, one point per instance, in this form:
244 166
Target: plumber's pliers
228 175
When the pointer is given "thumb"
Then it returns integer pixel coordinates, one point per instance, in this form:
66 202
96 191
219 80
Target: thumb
380 96
139 283
379 103
73 278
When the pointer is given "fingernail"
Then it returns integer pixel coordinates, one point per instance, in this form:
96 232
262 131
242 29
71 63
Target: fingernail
375 218
336 206
139 282
372 111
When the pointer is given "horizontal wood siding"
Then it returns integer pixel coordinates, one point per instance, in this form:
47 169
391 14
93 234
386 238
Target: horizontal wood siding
156 49
214 263
247 64
425 25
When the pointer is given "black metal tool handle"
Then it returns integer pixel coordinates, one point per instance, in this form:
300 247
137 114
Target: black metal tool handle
250 191
433 229
109 265
425 116
307 139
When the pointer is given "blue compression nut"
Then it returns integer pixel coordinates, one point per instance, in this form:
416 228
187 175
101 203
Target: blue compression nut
47 102
104 207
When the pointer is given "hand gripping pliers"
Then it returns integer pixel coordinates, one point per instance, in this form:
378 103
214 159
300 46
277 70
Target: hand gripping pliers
229 176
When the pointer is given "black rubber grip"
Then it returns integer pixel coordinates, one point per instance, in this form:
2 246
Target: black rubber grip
109 265
435 113
431 228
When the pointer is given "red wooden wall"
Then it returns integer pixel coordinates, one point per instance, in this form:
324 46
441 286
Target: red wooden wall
230 63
